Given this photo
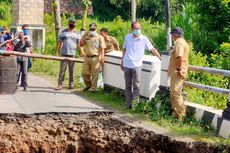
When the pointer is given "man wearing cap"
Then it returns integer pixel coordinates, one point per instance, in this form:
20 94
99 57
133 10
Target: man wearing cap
110 42
177 71
93 55
135 45
68 41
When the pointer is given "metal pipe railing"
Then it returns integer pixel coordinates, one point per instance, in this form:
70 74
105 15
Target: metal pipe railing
209 70
206 88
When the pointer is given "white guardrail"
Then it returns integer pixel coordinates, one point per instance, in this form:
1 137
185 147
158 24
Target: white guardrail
210 71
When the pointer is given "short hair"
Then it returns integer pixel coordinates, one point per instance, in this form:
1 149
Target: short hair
25 25
93 25
135 22
104 30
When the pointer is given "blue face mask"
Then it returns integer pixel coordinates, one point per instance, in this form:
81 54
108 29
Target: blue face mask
26 32
137 32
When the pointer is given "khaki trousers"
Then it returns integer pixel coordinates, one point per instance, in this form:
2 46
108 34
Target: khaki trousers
177 102
90 72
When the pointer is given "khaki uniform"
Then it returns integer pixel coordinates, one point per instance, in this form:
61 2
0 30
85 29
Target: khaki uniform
91 65
111 44
181 48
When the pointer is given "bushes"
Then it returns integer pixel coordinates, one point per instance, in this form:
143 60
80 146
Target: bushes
205 97
5 13
117 28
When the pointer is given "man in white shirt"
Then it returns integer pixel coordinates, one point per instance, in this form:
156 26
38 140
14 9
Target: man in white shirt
135 45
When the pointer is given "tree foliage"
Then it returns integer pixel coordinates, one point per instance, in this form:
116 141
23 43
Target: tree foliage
108 10
214 22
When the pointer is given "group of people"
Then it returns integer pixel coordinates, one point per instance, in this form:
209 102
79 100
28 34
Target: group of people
93 47
21 43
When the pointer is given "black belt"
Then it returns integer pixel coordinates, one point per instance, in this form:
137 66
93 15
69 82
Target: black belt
91 56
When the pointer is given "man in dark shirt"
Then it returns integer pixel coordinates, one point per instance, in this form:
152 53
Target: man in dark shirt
22 46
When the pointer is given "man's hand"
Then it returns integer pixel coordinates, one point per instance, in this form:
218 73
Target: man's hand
180 73
122 67
82 55
102 61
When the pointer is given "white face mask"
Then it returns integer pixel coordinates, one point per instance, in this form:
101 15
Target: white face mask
93 33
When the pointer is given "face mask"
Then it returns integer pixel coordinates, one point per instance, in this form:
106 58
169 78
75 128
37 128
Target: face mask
71 26
26 32
93 33
137 32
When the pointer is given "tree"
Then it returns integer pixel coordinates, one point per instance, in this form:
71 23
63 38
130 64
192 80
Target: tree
57 17
85 7
214 21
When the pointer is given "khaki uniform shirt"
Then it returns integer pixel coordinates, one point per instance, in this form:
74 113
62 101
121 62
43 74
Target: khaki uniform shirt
111 44
181 48
93 44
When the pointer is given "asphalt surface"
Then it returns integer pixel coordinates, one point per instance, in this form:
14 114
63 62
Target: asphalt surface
42 98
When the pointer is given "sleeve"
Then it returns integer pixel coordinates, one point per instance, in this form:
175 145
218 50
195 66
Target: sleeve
125 43
78 39
148 45
116 44
102 42
179 50
60 36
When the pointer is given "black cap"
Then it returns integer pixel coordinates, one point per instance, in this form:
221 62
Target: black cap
178 31
72 20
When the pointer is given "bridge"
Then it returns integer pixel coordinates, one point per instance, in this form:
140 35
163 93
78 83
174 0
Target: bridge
42 97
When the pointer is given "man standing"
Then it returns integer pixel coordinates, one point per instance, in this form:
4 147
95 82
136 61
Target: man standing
177 71
93 55
135 45
110 42
68 41
22 46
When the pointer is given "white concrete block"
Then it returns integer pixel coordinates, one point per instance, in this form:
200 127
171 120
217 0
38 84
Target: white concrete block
225 129
214 121
150 74
165 62
199 113
165 80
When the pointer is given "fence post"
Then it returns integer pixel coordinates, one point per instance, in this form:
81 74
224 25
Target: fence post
226 112
165 82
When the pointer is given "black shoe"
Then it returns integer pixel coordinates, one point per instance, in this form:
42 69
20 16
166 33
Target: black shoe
25 89
86 89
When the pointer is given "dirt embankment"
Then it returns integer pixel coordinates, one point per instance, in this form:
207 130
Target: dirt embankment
86 133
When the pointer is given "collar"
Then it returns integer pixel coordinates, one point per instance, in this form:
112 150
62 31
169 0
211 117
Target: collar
179 39
140 37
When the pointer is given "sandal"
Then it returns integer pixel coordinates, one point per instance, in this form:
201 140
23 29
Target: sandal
58 88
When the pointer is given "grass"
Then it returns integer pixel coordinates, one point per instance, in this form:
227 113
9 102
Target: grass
147 111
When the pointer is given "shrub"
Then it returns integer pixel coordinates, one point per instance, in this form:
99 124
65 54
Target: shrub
205 97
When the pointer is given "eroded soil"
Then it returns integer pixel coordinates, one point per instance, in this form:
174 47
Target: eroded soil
86 133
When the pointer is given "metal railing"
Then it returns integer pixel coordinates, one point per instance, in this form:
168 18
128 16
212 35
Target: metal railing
226 73
210 71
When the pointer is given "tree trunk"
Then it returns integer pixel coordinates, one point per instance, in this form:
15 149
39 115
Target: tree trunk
133 10
84 16
168 23
57 17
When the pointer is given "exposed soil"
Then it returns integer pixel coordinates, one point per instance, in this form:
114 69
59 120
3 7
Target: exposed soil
86 133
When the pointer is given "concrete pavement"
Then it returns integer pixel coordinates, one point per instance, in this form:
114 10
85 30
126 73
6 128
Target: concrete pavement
42 97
